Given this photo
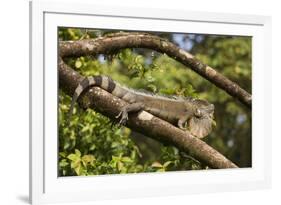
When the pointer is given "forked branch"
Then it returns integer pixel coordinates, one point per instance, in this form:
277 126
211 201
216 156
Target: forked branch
115 42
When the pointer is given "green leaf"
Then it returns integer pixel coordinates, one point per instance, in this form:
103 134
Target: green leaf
63 163
93 147
138 59
156 165
87 159
73 157
76 165
62 154
78 64
160 170
77 168
127 159
166 164
77 152
115 144
152 87
120 166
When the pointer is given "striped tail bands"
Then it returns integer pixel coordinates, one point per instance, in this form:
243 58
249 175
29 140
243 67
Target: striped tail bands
103 82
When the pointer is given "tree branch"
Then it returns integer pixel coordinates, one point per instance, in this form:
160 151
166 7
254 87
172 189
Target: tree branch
114 42
142 122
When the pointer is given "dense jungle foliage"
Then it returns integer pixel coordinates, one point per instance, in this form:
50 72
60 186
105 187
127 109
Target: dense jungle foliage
91 145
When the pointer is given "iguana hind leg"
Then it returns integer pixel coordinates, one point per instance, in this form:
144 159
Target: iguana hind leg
134 107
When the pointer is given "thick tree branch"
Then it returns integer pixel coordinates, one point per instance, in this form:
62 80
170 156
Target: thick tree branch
114 42
142 122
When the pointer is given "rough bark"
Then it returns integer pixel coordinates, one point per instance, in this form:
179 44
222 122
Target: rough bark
114 42
142 122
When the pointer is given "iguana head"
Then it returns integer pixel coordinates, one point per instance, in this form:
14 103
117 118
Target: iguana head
202 120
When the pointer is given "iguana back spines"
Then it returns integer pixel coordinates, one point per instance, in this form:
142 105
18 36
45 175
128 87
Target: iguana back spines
198 113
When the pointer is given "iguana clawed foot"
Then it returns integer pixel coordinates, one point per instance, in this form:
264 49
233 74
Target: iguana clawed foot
182 127
134 107
124 117
182 122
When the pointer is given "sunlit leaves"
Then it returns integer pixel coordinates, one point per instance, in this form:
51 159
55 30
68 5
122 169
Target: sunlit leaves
88 159
78 63
161 167
78 163
89 143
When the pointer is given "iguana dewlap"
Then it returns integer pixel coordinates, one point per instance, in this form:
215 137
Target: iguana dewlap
197 113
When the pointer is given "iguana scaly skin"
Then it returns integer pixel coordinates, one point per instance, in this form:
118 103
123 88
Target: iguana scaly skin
198 113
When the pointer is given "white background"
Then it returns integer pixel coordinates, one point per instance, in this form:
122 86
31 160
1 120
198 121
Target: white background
14 101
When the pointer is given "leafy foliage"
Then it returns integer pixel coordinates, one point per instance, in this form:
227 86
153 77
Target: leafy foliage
91 145
231 56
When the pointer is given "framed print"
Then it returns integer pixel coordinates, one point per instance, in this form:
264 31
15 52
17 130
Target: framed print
127 103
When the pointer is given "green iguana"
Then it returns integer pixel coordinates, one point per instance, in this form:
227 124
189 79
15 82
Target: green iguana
197 113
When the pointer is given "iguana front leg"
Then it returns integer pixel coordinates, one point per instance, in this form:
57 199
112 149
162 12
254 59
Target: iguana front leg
134 107
182 120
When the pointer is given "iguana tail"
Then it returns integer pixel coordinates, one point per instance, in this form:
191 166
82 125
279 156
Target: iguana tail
104 82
